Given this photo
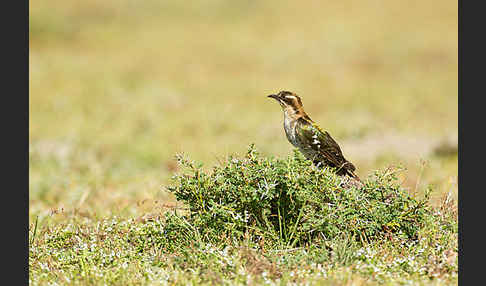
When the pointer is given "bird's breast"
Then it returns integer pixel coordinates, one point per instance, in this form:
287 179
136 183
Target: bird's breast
289 126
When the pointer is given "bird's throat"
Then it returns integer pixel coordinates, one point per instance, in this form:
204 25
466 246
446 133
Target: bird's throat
292 113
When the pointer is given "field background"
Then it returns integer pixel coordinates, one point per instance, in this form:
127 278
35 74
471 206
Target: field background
117 88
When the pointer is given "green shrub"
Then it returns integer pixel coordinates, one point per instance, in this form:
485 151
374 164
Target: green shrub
288 203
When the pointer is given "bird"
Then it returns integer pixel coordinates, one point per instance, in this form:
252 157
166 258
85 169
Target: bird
314 143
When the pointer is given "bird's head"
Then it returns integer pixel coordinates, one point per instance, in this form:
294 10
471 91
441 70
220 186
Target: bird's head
289 101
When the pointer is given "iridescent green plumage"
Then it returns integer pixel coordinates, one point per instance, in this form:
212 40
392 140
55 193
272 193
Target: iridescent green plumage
318 146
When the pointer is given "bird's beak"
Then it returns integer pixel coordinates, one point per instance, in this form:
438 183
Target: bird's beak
274 96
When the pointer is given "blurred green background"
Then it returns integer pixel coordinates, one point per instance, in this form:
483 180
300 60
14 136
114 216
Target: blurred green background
117 88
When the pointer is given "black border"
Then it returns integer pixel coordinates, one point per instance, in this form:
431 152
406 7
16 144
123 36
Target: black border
471 121
15 140
16 137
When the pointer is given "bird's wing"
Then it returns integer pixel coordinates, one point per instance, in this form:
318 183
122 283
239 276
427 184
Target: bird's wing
323 143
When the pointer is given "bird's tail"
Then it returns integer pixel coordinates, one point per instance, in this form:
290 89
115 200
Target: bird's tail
348 169
352 174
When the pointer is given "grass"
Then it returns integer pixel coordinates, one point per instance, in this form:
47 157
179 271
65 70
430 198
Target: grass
256 220
117 88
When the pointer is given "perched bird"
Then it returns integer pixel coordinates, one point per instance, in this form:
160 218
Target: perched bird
316 144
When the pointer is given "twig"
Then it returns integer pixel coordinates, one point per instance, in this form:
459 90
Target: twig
35 230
